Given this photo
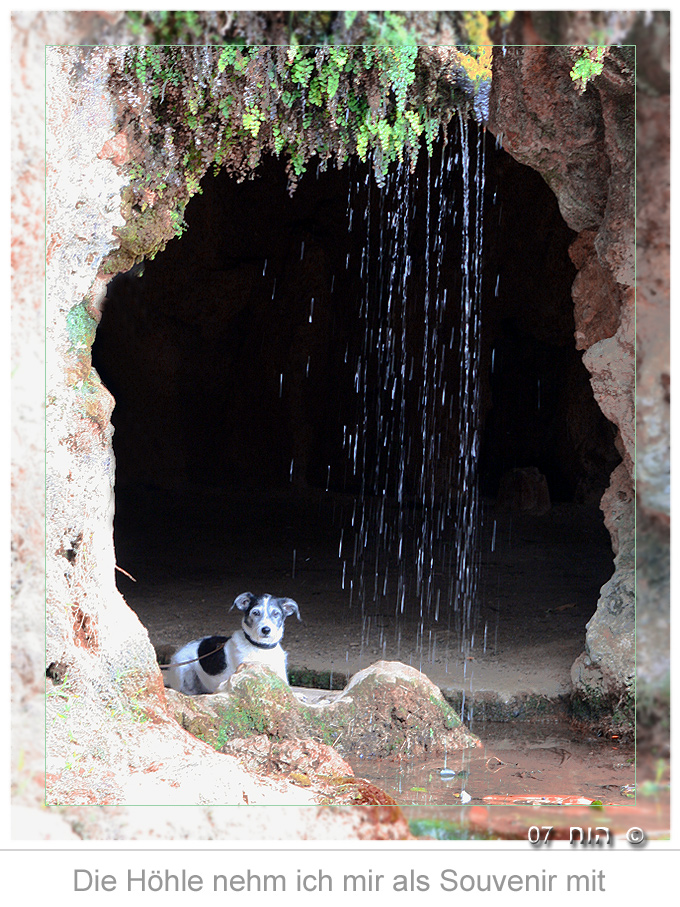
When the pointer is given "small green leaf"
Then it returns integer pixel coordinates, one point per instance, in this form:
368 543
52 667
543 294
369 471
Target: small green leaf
333 82
227 57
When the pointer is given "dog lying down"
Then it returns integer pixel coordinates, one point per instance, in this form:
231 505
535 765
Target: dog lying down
213 659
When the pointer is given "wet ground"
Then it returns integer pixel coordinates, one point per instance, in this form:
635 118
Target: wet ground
519 763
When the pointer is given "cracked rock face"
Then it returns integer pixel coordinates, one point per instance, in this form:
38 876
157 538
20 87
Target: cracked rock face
583 145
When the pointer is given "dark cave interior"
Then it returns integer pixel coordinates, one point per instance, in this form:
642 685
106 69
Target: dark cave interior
233 359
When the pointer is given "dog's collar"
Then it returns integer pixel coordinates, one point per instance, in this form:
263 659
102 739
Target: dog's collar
260 645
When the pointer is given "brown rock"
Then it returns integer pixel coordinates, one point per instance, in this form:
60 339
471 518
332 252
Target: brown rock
595 294
116 150
303 757
388 709
534 108
524 489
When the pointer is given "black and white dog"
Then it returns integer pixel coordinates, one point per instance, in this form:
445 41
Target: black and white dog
213 659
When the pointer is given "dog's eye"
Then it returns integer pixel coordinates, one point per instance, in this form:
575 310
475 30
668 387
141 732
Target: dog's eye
255 612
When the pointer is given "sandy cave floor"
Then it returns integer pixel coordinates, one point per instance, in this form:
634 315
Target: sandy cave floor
192 555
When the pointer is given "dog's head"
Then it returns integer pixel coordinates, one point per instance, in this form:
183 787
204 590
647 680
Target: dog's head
264 615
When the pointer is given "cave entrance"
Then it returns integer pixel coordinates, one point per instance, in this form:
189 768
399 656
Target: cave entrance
233 359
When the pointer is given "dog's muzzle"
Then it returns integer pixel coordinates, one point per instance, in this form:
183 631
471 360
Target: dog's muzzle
261 645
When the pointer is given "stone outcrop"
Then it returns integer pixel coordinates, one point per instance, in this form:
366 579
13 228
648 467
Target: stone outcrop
387 709
605 302
583 145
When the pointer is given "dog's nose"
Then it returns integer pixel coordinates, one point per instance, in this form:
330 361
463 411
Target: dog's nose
265 631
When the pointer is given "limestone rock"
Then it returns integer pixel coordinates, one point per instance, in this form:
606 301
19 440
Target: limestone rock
592 176
388 709
393 709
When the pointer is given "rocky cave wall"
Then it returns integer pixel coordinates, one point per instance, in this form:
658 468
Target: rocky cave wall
93 639
583 144
608 273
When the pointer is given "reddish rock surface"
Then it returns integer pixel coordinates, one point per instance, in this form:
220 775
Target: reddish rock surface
595 294
303 757
534 109
583 145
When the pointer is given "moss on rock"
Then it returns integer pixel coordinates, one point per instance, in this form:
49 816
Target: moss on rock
185 109
388 709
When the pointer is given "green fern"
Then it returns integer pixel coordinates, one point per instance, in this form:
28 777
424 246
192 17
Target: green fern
588 66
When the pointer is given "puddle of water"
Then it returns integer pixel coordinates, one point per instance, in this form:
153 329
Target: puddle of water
517 763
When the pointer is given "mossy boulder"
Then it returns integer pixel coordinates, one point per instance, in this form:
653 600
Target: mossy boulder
388 709
256 702
392 709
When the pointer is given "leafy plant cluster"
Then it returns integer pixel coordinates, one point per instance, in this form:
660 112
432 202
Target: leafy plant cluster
193 107
298 100
300 27
587 65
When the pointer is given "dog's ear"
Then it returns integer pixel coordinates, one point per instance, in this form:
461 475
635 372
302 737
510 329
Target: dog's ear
288 606
243 601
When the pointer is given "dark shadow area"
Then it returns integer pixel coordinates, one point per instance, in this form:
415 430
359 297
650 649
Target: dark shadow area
541 408
250 423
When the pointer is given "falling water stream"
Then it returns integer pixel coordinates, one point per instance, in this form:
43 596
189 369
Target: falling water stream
411 547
